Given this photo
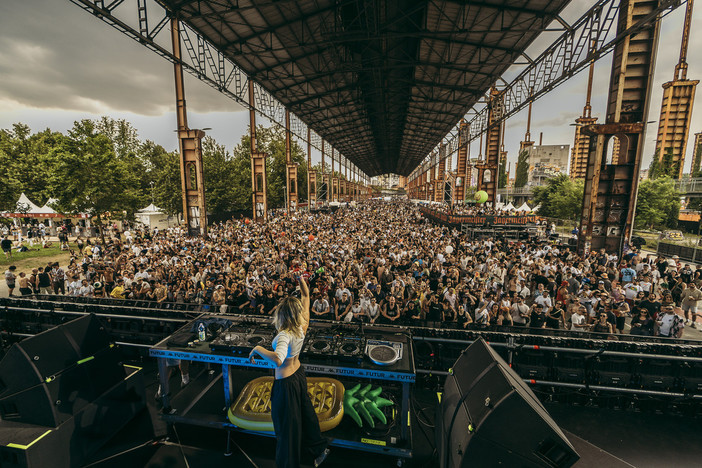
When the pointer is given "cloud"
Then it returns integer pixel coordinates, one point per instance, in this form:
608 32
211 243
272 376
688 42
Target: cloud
53 55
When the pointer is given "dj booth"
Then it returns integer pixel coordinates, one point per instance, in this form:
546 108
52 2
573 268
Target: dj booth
351 353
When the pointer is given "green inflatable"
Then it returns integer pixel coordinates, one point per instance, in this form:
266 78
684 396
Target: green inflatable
481 196
364 403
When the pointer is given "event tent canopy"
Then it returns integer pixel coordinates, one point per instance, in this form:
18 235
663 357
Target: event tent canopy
25 208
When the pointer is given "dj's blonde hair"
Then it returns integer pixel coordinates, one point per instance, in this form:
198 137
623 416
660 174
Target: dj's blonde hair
288 316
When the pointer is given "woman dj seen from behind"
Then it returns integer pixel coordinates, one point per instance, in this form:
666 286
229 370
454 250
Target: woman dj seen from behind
294 420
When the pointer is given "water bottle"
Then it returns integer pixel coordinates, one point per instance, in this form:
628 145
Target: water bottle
201 335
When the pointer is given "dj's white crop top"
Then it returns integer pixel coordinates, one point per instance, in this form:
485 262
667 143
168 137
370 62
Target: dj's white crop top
286 345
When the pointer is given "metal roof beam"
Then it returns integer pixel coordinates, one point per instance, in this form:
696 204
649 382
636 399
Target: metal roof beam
273 28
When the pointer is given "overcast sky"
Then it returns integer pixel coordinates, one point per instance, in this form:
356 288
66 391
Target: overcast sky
59 64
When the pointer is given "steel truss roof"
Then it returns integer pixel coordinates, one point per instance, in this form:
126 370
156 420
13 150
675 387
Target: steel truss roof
382 81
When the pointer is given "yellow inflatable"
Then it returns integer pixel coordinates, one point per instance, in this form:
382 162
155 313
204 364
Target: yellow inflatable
252 409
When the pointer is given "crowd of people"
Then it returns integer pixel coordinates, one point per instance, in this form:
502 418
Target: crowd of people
381 262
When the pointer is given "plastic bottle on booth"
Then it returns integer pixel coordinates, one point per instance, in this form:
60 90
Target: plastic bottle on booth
201 335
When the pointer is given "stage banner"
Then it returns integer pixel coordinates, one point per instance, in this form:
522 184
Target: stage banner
480 220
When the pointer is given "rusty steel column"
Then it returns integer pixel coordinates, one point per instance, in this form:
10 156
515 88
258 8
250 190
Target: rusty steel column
290 169
459 193
488 170
311 175
344 182
192 180
334 180
427 181
441 177
610 189
430 182
676 110
258 165
581 145
323 193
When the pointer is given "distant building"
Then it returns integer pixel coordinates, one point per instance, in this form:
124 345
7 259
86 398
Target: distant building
546 161
387 181
697 154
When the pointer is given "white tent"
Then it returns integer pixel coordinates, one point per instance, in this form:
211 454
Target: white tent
154 217
151 209
524 207
509 207
25 205
46 209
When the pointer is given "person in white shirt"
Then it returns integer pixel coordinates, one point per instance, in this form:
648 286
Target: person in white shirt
519 312
74 286
669 323
632 289
544 301
320 306
86 290
523 290
578 322
141 274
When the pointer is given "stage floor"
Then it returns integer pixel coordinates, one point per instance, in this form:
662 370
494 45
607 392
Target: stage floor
602 437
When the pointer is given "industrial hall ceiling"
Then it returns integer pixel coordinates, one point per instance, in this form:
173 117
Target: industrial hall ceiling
382 81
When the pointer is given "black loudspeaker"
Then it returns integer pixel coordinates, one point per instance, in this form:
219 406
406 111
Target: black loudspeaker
63 394
488 417
47 378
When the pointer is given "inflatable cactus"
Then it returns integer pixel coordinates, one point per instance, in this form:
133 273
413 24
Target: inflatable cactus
364 403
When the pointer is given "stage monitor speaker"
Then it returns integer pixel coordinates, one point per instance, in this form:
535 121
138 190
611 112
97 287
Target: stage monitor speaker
488 417
47 378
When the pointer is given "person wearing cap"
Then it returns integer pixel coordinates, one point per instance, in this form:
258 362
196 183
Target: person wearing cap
320 307
669 323
520 312
99 289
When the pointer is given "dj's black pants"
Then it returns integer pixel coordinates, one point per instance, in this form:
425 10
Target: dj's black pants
294 421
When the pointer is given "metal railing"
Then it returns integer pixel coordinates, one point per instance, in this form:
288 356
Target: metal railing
517 192
689 185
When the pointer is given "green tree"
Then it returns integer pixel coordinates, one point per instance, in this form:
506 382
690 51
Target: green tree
219 168
561 198
657 203
696 159
271 140
124 137
522 171
665 167
163 169
26 163
89 177
502 172
654 167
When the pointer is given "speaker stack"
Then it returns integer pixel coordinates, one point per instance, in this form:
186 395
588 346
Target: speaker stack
488 417
63 394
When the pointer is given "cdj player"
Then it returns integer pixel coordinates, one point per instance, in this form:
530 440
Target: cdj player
241 338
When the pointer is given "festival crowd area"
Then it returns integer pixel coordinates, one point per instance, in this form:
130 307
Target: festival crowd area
381 262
